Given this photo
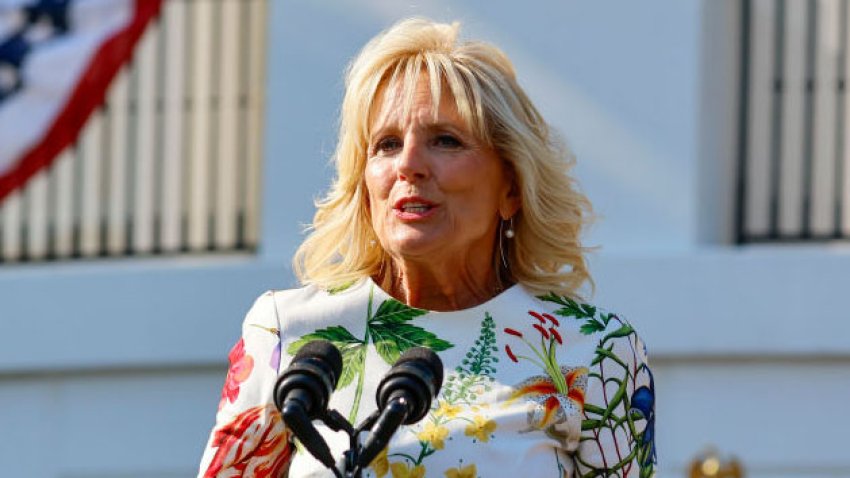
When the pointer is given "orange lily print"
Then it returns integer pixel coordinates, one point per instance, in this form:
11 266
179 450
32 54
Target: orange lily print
552 404
255 443
560 392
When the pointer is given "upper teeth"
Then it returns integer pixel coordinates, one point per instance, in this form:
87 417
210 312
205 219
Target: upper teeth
414 207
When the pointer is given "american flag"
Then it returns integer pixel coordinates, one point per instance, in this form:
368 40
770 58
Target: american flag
57 58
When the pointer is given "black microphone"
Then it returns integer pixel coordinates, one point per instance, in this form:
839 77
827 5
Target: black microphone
302 393
404 396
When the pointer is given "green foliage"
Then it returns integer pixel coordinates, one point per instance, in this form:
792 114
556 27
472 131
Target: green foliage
393 334
390 332
476 368
570 308
336 334
591 327
389 329
603 353
624 331
353 350
353 363
616 416
579 311
392 311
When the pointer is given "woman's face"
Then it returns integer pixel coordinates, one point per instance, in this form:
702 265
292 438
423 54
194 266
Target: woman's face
436 193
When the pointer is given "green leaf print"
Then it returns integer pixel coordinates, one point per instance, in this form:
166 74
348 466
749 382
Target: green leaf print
586 312
339 336
602 354
592 326
391 340
353 360
392 311
624 331
590 424
353 350
570 308
389 329
615 400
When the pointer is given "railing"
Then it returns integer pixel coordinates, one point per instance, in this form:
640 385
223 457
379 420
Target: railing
171 163
794 156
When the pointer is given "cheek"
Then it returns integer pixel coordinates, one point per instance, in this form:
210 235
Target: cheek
378 186
478 185
372 176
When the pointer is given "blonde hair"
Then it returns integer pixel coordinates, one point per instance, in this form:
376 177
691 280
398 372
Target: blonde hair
545 253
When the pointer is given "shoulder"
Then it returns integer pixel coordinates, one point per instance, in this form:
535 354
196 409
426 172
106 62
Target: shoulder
301 310
273 301
619 386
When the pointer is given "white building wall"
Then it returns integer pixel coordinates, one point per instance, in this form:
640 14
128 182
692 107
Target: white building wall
113 369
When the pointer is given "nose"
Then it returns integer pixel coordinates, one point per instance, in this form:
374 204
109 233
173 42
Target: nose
412 161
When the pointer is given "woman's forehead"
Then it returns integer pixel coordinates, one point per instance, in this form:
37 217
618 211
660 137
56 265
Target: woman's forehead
397 105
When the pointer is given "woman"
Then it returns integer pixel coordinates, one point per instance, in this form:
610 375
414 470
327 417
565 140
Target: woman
452 224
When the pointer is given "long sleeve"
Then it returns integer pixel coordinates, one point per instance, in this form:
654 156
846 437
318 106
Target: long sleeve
619 412
249 438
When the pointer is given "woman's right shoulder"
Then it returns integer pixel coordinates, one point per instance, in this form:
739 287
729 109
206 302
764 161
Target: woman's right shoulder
274 304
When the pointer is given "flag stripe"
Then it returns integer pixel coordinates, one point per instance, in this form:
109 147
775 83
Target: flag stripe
87 95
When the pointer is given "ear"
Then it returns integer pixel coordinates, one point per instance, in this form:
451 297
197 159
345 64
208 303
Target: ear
510 201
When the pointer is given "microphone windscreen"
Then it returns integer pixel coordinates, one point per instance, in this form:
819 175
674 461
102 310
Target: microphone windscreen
324 351
429 359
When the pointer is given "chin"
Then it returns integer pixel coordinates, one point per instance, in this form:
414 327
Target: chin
416 245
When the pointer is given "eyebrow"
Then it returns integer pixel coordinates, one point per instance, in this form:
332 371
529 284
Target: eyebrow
440 125
443 125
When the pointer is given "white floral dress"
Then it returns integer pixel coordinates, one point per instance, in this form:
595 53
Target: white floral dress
534 386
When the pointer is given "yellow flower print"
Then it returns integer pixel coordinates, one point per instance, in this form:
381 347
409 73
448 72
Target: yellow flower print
447 410
401 469
480 428
433 434
381 465
467 471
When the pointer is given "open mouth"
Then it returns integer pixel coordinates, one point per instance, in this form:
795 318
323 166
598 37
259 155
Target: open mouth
414 207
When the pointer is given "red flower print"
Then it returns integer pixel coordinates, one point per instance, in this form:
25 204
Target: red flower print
513 332
241 365
255 444
552 319
537 316
510 353
542 331
556 335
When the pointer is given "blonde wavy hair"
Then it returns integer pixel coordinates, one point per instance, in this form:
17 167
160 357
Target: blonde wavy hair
545 253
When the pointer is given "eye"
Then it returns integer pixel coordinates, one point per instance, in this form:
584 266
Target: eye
447 141
386 145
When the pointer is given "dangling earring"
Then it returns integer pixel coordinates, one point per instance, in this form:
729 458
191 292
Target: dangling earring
509 232
506 232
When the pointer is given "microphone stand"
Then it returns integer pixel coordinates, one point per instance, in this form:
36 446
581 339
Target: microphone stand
409 387
347 466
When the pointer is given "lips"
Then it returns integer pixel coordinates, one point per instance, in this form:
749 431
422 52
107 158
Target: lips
413 207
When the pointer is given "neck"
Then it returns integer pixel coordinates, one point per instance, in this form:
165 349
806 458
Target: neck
432 287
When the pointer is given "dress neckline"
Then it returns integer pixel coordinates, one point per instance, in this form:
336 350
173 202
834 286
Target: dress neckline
492 303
